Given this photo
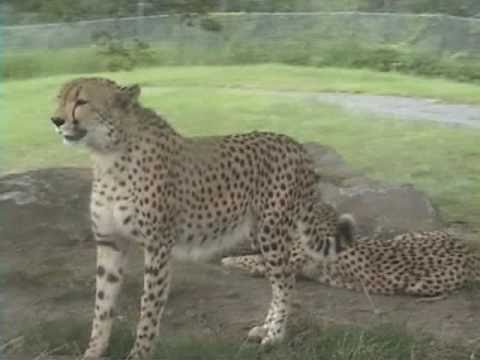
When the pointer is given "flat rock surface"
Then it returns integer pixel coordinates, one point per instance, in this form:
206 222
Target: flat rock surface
376 206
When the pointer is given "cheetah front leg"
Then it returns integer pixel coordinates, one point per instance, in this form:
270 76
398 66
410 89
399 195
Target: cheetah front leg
110 265
282 279
155 294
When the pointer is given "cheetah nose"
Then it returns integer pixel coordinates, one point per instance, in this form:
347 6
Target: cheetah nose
58 121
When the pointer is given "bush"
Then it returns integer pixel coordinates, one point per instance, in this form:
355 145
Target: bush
121 54
113 55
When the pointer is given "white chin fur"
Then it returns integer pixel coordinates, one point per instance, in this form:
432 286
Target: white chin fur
72 143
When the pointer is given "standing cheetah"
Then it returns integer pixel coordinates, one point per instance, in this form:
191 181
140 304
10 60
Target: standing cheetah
428 263
157 188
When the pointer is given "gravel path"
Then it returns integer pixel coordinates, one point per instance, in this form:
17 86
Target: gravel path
405 107
401 107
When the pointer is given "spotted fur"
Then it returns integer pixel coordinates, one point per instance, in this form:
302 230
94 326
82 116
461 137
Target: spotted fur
415 263
158 188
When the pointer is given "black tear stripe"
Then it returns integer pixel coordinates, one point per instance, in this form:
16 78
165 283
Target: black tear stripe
109 244
78 102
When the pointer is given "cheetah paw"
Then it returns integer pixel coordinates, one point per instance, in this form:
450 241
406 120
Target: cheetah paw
228 261
269 340
93 357
257 334
136 356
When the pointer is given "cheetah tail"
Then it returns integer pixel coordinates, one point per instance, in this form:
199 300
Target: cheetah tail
329 246
345 232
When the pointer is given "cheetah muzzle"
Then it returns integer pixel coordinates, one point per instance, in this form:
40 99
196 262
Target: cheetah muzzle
157 188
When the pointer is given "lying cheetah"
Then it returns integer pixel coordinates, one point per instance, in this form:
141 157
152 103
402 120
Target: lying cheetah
415 263
158 188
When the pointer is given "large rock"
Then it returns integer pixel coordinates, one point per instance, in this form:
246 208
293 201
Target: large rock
45 205
378 207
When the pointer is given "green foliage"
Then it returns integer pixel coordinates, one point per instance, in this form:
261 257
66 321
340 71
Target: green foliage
458 7
210 24
121 54
386 58
65 10
185 6
112 55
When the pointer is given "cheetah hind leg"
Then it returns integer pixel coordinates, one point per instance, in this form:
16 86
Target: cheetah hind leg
253 264
282 280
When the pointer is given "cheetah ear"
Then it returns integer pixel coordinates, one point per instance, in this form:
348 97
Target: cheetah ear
127 95
132 92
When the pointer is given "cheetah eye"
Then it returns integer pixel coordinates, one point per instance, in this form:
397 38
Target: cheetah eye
81 102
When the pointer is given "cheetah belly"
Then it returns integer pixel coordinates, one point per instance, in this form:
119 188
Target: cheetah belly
202 242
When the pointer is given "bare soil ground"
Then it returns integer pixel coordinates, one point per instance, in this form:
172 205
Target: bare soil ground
57 283
47 268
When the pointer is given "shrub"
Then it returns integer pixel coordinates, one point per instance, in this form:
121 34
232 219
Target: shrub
110 54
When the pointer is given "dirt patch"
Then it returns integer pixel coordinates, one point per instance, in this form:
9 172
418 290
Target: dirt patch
207 300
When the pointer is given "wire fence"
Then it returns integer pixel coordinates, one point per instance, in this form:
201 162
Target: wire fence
438 33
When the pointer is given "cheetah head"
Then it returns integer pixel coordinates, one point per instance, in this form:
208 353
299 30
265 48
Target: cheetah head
91 110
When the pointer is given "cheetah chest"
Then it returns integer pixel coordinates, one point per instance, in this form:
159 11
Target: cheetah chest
112 215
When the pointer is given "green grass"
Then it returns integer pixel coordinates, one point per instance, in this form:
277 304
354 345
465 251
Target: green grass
275 77
307 341
440 160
